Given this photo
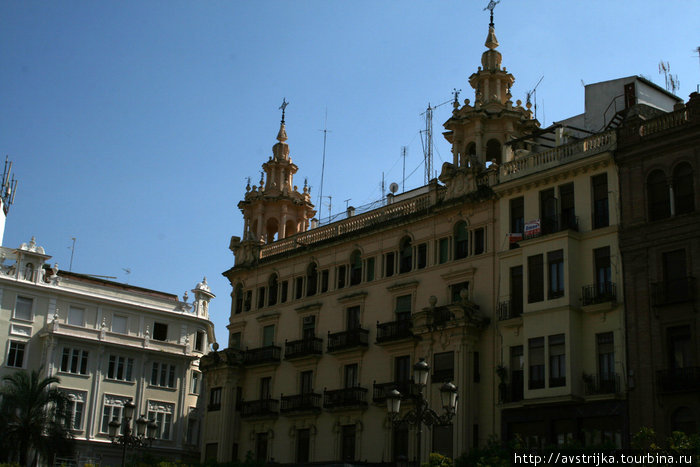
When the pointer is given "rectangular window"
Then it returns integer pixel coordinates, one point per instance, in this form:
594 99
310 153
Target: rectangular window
557 361
74 361
162 413
248 302
548 209
284 292
442 440
196 382
599 185
675 280
299 287
680 348
199 341
555 262
456 291
479 241
516 374
421 256
603 271
605 350
235 340
265 387
303 444
535 282
369 269
517 215
567 211
210 452
402 369
516 291
348 443
324 280
113 408
308 327
261 447
120 368
192 428
76 316
261 297
352 318
163 375
75 408
443 250
268 335
214 399
403 307
15 355
119 324
443 367
340 273
306 382
351 376
389 262
160 331
536 363
23 308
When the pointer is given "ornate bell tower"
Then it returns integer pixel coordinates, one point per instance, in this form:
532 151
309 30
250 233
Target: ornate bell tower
478 132
275 209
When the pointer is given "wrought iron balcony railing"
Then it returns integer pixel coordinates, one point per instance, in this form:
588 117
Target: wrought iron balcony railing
510 309
598 293
303 348
675 291
678 379
305 402
260 408
346 397
394 330
349 339
602 384
267 354
407 389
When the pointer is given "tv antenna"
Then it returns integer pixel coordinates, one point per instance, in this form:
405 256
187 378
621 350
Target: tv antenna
323 164
330 204
72 250
404 150
428 141
533 93
672 81
9 186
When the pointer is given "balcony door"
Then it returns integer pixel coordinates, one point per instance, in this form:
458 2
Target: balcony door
675 282
306 381
402 369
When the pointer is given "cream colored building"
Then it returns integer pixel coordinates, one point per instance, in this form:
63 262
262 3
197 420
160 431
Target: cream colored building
107 342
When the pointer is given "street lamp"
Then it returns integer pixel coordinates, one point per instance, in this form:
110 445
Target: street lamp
422 413
145 430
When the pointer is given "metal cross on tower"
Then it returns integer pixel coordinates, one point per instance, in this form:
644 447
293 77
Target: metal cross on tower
490 7
283 107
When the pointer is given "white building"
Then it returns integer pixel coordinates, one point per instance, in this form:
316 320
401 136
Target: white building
108 343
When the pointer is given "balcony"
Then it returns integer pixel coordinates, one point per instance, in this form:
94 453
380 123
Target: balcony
513 391
347 397
685 379
601 384
303 348
307 402
407 389
676 291
598 293
350 339
510 309
394 330
263 355
260 408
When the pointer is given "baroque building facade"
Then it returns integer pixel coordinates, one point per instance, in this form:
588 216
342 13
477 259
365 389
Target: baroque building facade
108 343
505 274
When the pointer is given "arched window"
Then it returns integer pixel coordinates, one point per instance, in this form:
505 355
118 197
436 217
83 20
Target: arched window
461 236
405 255
493 151
355 267
238 298
311 279
290 228
471 154
683 192
272 290
658 196
683 420
272 229
29 272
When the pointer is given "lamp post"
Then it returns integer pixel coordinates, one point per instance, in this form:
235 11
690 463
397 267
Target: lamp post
145 430
422 413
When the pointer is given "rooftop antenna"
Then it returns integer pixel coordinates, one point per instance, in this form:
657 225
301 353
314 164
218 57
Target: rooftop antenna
330 204
533 92
383 187
323 164
72 250
672 82
428 141
9 186
404 150
346 203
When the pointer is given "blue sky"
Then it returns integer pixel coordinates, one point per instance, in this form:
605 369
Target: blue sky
134 124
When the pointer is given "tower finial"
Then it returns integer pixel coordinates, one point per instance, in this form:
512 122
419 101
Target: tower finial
492 4
283 107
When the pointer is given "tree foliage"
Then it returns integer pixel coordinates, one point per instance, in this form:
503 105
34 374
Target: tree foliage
33 419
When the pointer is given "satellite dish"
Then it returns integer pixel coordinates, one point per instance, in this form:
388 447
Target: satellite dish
394 187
